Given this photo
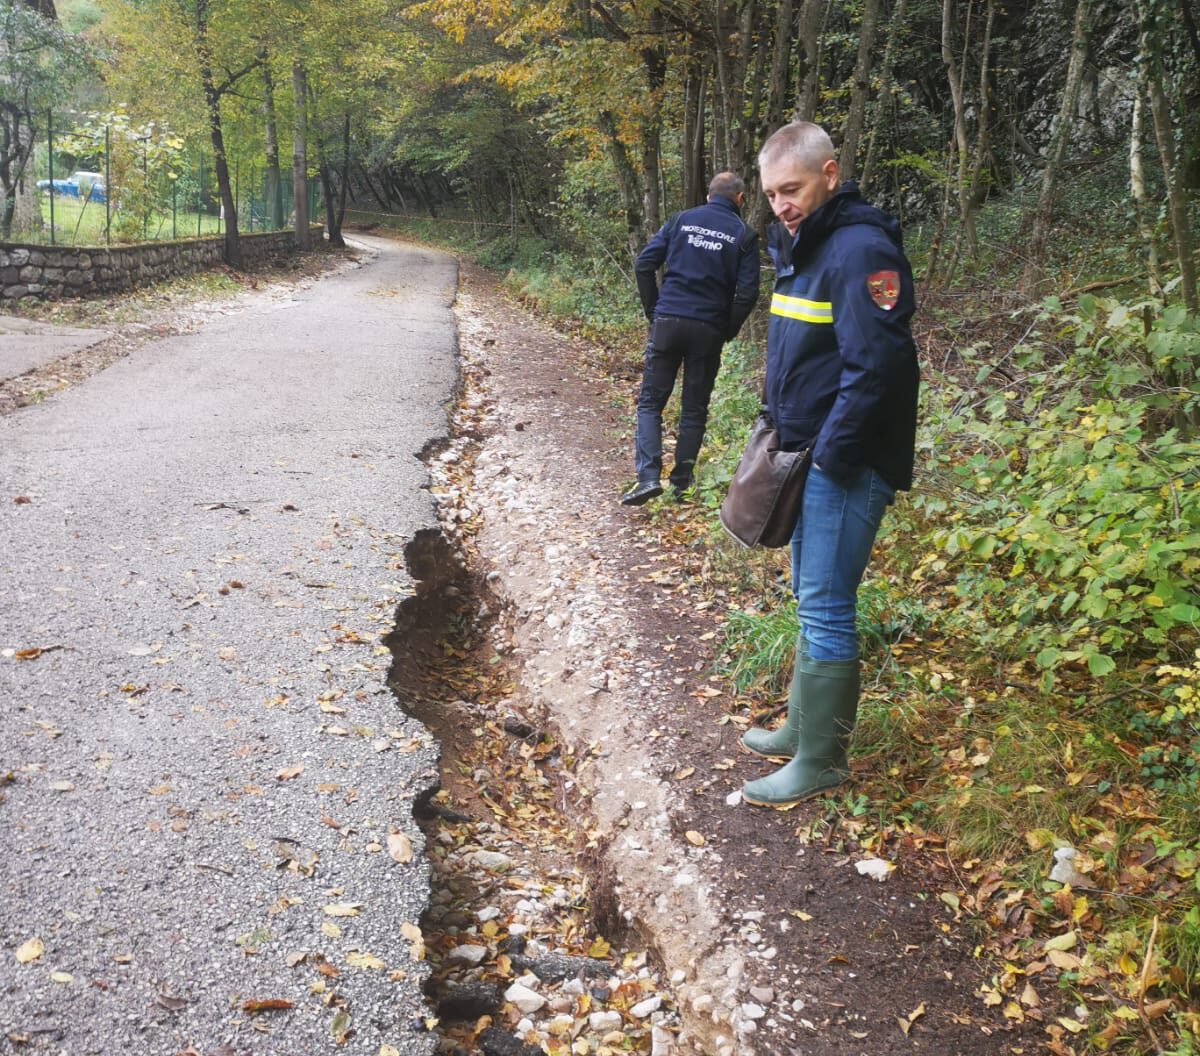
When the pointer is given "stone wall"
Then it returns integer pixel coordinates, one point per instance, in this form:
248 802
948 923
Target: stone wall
74 271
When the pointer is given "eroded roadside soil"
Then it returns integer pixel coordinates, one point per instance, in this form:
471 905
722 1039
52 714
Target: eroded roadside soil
590 671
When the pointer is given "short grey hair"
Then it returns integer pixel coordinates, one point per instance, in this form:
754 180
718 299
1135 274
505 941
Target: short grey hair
808 143
726 185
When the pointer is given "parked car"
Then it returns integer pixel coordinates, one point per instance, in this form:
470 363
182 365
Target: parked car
80 184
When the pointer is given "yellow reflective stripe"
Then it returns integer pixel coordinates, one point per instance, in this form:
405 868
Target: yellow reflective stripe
800 308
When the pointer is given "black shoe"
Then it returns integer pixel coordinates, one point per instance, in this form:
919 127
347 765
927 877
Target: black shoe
643 491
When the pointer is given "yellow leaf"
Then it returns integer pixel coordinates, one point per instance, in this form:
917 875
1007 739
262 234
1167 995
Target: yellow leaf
1065 941
694 838
1029 997
1126 1013
687 771
1073 1025
359 959
1014 1012
330 929
1127 965
388 1050
1080 909
62 977
600 948
799 914
489 929
30 950
343 909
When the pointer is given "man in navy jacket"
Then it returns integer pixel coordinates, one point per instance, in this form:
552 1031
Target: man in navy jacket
709 287
841 380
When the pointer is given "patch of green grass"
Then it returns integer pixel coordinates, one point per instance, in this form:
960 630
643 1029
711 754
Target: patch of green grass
82 224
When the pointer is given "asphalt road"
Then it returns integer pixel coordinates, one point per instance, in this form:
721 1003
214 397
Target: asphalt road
201 762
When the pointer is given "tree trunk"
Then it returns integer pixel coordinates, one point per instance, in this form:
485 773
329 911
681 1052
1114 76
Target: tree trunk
860 88
271 141
1164 133
885 91
1058 144
300 156
654 60
626 178
1137 183
343 190
212 99
808 80
693 133
961 146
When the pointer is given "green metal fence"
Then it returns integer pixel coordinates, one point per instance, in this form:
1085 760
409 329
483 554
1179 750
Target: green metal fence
83 199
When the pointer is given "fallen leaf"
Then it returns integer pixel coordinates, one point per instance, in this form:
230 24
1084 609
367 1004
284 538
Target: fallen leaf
267 1004
340 1027
694 838
1065 941
30 950
799 914
399 846
28 654
414 936
345 909
687 771
288 772
359 959
62 977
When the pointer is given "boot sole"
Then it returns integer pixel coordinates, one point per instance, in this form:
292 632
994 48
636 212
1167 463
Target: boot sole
787 804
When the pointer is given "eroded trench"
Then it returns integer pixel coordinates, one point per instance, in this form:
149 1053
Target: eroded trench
528 947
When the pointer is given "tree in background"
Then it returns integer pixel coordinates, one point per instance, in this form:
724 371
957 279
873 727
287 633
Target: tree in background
39 61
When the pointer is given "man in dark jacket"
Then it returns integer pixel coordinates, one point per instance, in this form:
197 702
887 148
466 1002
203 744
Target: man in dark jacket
709 287
842 380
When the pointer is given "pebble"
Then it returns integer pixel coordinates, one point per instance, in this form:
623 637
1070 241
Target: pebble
764 995
467 954
643 1008
604 1021
524 998
492 861
752 1011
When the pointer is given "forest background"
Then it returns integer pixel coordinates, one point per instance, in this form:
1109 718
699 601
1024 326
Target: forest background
1031 625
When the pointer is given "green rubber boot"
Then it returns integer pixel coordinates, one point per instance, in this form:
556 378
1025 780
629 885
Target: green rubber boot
780 744
829 689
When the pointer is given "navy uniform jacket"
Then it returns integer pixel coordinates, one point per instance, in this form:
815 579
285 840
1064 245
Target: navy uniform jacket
712 267
841 363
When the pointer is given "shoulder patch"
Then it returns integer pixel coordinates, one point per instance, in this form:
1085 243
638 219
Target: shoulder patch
884 288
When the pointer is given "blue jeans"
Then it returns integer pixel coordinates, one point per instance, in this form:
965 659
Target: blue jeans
696 346
830 547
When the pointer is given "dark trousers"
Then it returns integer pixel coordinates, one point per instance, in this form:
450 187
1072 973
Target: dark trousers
697 346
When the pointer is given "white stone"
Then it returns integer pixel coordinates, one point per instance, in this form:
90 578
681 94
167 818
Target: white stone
486 914
734 798
467 954
600 1022
518 929
643 1008
762 994
662 1042
753 1011
492 861
524 998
